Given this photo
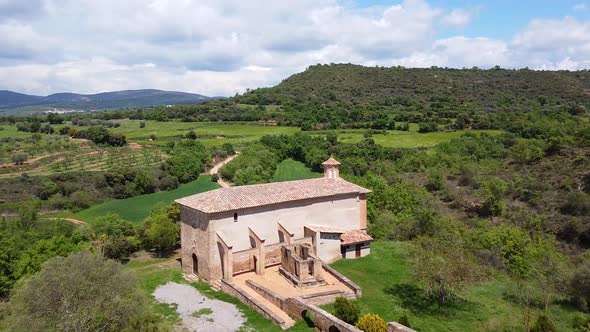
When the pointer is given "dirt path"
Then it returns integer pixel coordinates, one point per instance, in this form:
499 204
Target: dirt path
215 170
70 220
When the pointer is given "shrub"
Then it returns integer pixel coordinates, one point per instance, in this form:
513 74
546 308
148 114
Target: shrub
372 323
191 135
142 124
544 324
346 310
19 158
404 320
577 204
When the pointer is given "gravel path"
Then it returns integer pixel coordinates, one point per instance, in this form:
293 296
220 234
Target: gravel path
224 317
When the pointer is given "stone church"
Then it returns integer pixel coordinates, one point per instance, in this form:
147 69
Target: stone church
231 231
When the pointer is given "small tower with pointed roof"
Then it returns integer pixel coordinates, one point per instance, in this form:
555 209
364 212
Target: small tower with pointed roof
331 168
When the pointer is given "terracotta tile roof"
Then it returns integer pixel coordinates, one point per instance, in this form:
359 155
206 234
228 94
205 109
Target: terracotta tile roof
243 197
331 162
326 229
355 236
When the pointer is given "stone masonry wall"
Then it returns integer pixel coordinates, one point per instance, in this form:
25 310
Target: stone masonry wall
322 319
231 289
194 234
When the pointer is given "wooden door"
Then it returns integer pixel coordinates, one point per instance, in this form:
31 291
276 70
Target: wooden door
358 250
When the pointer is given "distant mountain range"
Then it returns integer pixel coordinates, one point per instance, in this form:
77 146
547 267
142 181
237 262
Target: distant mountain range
10 100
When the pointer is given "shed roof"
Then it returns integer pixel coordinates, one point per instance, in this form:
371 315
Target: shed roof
243 197
355 236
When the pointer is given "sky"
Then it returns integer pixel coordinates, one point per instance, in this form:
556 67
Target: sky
223 47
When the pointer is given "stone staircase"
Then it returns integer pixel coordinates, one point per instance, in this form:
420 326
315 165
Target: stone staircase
289 322
216 284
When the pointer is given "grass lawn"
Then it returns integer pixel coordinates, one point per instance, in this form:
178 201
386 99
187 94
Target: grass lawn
135 209
290 169
388 290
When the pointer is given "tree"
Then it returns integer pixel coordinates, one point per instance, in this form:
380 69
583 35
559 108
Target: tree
346 310
53 118
187 160
444 264
372 323
547 269
19 158
81 292
544 324
161 232
493 190
27 213
579 284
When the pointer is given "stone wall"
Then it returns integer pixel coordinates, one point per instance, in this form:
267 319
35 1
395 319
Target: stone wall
326 297
355 288
194 240
323 320
230 288
397 327
244 260
267 294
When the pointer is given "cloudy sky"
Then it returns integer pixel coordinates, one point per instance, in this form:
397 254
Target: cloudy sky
221 47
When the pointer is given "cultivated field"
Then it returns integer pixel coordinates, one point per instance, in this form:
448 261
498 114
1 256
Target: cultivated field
136 209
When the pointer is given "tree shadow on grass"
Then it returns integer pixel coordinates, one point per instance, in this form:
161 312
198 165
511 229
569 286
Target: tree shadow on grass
418 301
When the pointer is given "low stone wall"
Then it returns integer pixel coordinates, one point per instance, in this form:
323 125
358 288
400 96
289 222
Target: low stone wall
322 320
267 294
243 261
355 288
397 327
326 297
231 289
273 254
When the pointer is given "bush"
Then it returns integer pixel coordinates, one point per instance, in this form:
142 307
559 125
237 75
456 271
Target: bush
191 135
405 321
577 204
142 124
346 310
19 158
544 324
372 323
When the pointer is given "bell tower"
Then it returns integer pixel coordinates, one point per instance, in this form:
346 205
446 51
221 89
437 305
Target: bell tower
331 168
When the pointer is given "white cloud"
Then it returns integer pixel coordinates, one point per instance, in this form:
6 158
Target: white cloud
220 47
460 17
580 6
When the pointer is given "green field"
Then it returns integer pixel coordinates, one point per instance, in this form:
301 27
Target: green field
389 290
136 209
404 139
214 133
289 170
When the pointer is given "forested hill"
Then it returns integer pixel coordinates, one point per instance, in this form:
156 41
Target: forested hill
107 100
490 89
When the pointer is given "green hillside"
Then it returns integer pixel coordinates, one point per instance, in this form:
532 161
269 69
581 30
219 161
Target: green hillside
495 88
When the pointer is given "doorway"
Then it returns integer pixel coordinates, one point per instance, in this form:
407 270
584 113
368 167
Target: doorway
357 251
195 265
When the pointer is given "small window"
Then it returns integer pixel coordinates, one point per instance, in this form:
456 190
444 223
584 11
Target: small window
236 217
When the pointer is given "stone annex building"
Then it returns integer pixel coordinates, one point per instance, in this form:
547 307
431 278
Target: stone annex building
232 230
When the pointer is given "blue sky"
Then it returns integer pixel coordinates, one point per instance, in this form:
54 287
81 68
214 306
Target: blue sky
223 47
